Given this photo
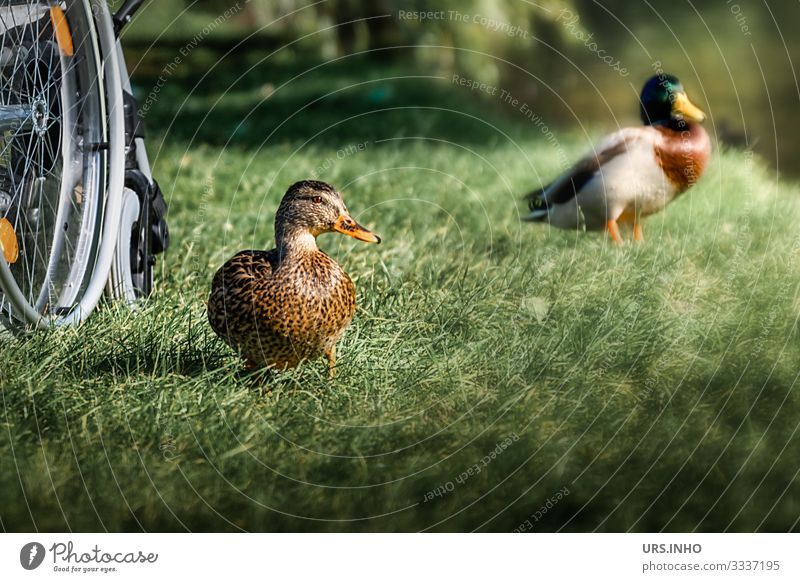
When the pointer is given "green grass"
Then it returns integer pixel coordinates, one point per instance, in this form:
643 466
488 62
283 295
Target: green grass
656 382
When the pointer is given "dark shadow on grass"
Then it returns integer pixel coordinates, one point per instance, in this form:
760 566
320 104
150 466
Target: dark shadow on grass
156 340
354 99
136 355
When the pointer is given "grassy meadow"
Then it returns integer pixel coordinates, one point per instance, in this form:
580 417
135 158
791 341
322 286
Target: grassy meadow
497 375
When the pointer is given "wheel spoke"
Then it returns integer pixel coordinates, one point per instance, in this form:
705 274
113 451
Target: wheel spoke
49 104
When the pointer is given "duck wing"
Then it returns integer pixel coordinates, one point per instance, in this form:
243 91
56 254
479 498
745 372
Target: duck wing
236 290
567 185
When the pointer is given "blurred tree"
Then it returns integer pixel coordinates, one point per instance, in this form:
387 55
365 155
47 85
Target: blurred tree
473 37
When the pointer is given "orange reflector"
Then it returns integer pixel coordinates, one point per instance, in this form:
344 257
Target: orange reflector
8 240
63 36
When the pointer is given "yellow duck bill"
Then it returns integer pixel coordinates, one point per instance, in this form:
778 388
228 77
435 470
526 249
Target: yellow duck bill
687 109
346 225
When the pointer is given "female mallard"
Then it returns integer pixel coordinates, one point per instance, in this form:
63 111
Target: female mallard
291 303
634 172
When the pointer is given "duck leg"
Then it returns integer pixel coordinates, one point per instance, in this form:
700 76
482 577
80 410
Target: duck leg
638 234
331 356
613 231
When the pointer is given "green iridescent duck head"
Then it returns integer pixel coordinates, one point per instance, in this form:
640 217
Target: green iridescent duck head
663 100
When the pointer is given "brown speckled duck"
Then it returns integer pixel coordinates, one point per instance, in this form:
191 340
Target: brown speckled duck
634 172
291 303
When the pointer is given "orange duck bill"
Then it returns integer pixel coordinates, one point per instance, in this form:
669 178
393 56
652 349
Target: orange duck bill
687 109
350 227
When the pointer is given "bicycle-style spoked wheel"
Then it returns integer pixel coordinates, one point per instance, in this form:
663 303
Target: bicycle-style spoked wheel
53 156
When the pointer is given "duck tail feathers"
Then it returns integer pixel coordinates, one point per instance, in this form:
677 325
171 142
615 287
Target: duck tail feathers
537 204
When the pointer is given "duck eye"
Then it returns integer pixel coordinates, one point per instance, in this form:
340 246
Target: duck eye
317 199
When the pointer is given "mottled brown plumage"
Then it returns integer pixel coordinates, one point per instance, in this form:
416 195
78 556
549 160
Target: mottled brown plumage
291 303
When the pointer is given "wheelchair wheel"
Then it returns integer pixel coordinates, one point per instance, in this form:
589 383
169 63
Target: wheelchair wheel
61 156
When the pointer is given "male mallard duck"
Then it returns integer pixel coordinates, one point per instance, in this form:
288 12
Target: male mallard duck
634 172
291 303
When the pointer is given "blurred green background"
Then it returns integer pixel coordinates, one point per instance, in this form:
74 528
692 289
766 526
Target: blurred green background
579 63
